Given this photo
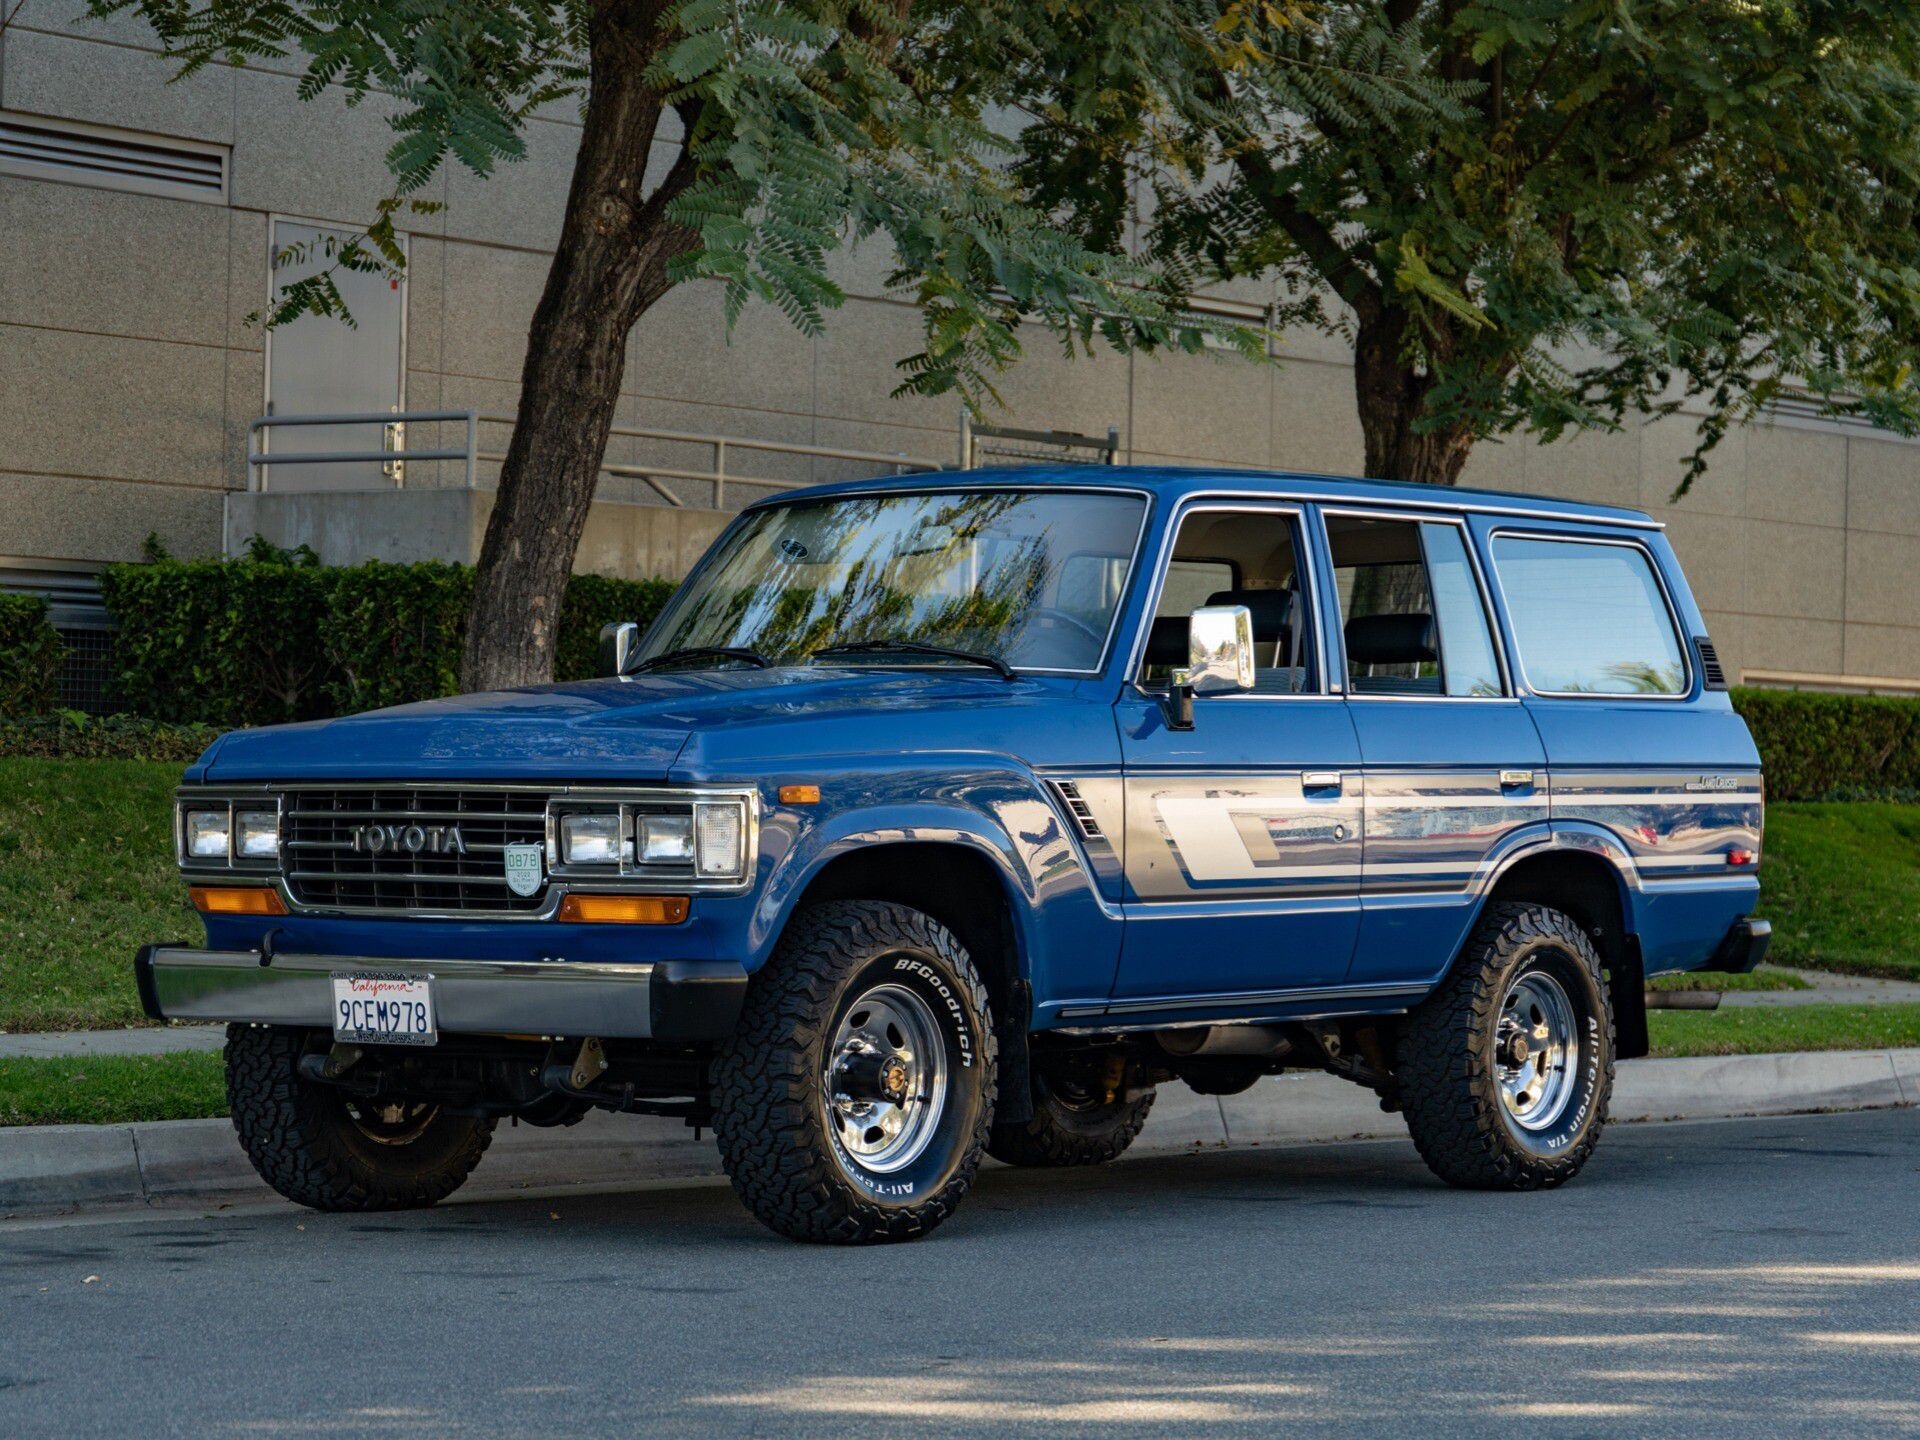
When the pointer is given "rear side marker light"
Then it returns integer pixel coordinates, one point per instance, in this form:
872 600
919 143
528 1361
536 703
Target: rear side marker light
236 900
1740 857
624 909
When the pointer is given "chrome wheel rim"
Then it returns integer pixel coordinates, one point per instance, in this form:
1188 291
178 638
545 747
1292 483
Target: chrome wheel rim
391 1123
1536 1051
884 1083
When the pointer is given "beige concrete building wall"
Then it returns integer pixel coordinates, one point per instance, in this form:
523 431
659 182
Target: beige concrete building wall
128 375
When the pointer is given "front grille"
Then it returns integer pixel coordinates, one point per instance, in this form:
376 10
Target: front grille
325 870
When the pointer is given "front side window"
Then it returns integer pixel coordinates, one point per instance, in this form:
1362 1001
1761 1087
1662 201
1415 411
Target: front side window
1412 610
1030 578
1237 557
1589 619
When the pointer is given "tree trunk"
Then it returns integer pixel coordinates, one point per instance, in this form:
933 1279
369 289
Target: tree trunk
1391 396
609 268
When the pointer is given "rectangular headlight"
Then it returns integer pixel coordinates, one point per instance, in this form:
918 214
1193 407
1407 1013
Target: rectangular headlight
720 836
590 838
256 834
665 839
206 834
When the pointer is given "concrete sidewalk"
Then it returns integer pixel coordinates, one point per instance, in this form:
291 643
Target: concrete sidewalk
1827 988
152 1040
59 1169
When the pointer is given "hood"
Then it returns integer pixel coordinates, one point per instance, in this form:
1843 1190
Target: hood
629 730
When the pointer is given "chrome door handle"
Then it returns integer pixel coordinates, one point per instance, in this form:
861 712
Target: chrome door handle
1514 779
1320 780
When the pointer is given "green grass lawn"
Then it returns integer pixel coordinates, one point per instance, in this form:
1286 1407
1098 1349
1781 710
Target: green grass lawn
111 1089
86 876
1841 884
1755 1030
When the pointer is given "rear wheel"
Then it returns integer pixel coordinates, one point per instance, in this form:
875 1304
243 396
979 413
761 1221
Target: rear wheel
852 1103
1505 1071
1077 1120
327 1149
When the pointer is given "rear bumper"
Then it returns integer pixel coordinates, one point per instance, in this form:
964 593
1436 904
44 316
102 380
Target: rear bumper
678 1000
1743 949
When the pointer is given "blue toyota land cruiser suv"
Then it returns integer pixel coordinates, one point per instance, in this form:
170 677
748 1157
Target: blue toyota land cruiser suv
947 816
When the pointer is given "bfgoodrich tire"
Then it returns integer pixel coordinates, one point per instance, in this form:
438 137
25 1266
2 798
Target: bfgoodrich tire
323 1148
1074 1123
1505 1071
854 1099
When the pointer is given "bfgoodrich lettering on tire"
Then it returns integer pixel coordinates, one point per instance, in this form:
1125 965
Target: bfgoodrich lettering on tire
853 1102
1506 1069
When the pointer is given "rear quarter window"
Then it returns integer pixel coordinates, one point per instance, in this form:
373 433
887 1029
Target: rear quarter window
1589 618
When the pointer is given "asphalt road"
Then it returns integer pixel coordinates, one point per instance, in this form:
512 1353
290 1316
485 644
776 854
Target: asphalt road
1733 1278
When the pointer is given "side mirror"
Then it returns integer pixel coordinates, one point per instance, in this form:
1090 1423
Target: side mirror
1219 660
618 641
1220 649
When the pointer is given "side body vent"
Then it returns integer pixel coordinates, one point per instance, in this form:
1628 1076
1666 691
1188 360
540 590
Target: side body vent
114 159
1712 674
1078 808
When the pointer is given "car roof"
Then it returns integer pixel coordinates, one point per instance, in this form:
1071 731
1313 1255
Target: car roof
1176 482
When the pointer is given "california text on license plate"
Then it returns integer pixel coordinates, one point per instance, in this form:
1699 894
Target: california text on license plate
375 1009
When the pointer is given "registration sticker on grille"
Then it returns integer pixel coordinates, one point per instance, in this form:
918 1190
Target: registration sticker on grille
523 869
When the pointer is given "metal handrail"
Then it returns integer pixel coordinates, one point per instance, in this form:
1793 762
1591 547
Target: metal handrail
471 456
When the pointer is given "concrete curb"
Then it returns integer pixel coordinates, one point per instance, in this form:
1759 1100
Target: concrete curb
58 1169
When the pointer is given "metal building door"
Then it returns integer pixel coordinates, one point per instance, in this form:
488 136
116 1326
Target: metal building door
318 365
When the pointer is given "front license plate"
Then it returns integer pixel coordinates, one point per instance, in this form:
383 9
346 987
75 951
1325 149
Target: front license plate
376 1009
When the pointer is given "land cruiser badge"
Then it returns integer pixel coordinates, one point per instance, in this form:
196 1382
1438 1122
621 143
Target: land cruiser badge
523 869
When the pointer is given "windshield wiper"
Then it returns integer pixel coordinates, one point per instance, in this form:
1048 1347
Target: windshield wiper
914 647
702 652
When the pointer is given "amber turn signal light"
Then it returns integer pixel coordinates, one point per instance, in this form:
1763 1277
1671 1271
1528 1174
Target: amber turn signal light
624 909
236 900
799 794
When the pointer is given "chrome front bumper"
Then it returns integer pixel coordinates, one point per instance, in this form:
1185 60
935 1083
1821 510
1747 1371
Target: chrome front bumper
666 1000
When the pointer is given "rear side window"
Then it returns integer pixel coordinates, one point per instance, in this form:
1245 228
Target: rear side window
1589 619
1412 610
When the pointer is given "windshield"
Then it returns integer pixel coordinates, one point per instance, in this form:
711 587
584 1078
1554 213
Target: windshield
1031 578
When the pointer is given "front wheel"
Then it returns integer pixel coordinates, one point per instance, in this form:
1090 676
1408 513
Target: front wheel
854 1099
330 1150
1505 1070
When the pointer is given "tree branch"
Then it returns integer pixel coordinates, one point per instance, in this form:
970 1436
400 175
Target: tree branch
1315 237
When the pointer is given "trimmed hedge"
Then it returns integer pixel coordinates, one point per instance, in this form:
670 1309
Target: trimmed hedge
75 735
277 636
1814 744
593 601
31 652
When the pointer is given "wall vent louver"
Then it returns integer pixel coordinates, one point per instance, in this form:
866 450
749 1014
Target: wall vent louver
113 159
1078 808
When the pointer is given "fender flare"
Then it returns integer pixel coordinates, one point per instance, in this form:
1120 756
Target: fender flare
919 824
